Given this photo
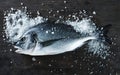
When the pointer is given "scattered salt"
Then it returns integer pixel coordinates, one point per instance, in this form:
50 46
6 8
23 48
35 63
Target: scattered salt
21 3
10 49
33 59
94 12
65 1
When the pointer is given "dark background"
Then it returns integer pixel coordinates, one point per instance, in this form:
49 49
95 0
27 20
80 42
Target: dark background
78 62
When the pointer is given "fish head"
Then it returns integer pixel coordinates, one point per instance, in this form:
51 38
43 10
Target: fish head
25 42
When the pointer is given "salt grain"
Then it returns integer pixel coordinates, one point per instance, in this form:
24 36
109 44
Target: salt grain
94 12
65 1
33 59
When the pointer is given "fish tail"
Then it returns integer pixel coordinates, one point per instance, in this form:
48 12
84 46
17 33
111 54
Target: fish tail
103 35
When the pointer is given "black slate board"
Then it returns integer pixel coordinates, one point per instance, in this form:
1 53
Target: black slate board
78 62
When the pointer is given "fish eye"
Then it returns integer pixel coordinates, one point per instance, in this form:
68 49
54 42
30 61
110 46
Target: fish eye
23 39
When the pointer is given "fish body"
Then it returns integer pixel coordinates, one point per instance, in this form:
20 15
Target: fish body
50 39
61 46
51 31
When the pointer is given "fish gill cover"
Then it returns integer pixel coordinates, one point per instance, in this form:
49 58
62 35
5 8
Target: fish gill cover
17 22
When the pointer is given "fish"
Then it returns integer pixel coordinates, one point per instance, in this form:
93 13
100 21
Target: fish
40 36
50 39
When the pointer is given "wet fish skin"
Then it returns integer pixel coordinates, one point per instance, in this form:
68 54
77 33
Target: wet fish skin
39 40
61 46
51 31
38 33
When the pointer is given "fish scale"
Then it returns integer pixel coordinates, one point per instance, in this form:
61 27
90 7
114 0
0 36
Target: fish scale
60 31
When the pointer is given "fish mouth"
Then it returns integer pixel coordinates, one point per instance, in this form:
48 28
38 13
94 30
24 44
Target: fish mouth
18 47
25 46
20 50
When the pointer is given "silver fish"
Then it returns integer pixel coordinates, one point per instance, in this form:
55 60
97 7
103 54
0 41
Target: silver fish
50 39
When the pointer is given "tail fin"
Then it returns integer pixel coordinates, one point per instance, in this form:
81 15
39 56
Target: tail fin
104 32
100 46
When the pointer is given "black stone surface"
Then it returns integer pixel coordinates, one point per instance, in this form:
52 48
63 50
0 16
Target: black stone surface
78 62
